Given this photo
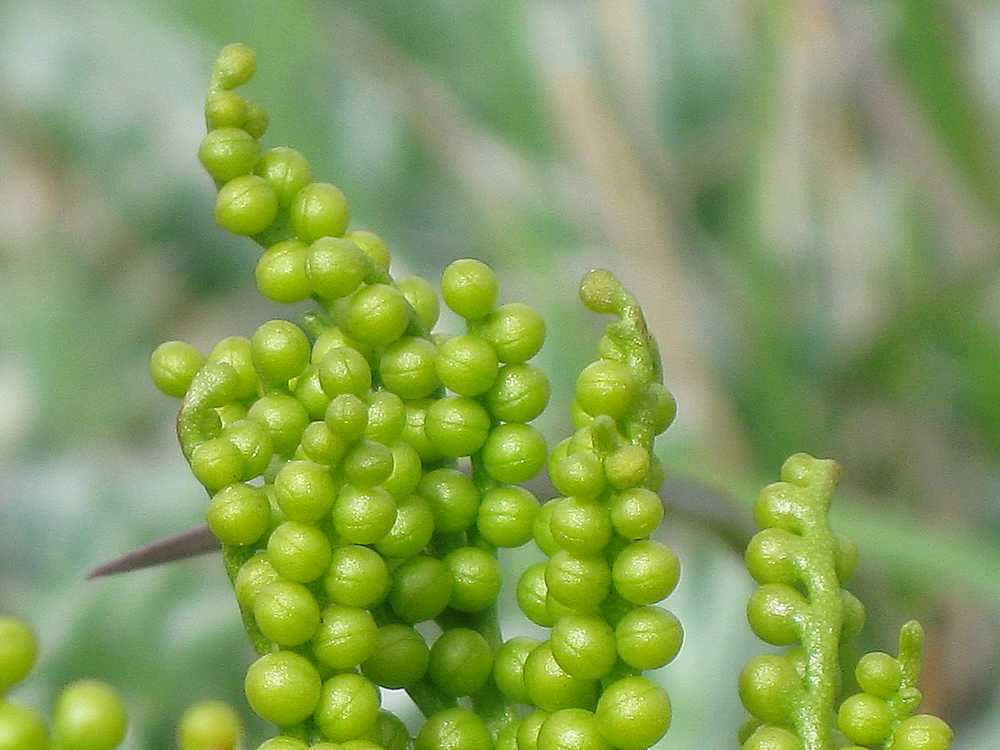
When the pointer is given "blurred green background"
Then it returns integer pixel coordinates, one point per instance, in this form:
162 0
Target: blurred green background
804 195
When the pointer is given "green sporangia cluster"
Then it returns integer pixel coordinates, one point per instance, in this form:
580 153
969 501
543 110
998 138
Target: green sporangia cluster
364 470
801 567
88 714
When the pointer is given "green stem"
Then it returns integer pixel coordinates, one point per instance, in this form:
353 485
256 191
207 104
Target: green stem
822 626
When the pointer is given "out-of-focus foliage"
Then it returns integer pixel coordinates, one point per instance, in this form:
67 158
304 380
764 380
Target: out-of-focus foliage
804 196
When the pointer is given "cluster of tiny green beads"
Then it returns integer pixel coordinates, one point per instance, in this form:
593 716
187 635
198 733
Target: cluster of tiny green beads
88 714
604 574
881 715
801 567
333 456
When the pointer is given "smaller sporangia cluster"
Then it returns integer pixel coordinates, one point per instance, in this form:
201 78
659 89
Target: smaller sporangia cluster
802 566
88 714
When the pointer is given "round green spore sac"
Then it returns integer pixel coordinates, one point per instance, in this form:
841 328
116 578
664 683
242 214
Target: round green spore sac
636 513
238 514
18 651
664 406
281 272
411 532
22 728
775 612
286 613
226 153
476 579
358 577
286 170
877 673
386 417
421 588
305 491
633 713
89 715
374 247
542 528
246 205
571 729
336 267
854 615
348 707
768 687
507 516
865 719
232 412
461 662
529 728
457 426
551 688
645 572
469 287
377 314
322 445
453 499
454 729
582 527
173 366
253 441
606 387
216 463
466 365
845 558
627 466
415 433
363 515
773 738
922 732
519 393
299 552
368 463
580 582
319 210
347 415
308 389
516 332
345 638
514 452
420 294
578 474
584 646
345 370
400 657
407 368
237 352
280 351
254 574
285 419
532 593
225 109
770 556
209 725
648 637
508 667
407 470
390 732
